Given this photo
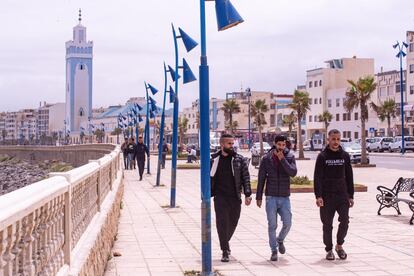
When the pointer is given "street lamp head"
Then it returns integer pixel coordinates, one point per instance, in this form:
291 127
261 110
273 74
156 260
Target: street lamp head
227 15
405 45
172 95
395 45
188 74
172 73
189 43
153 89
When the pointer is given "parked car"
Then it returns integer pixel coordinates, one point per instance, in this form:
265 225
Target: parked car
306 145
380 144
214 144
368 141
345 140
255 150
397 145
354 150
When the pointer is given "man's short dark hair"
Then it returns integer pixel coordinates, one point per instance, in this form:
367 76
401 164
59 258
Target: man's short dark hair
226 136
333 131
280 138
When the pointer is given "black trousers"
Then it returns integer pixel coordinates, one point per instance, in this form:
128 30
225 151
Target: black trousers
164 156
141 165
227 216
334 203
125 161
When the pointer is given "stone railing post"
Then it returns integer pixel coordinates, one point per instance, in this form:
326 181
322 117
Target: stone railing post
99 184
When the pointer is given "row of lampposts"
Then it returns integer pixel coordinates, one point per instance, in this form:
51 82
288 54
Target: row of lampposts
227 17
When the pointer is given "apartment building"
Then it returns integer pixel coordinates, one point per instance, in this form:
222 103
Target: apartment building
327 91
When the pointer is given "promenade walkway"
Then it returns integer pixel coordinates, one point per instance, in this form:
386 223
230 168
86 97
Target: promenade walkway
155 240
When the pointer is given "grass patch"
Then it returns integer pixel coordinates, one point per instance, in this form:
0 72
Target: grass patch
190 166
306 188
60 167
4 157
198 273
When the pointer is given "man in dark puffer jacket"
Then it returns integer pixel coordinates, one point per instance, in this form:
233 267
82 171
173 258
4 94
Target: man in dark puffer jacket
275 170
229 177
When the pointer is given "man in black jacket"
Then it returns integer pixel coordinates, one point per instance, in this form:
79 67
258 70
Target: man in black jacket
131 148
229 176
334 191
140 150
275 170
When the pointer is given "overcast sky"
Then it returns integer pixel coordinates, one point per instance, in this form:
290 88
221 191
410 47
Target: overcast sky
270 51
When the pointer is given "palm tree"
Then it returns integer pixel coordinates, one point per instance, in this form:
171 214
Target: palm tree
358 95
300 104
257 111
100 134
3 135
386 111
182 129
82 136
290 121
230 107
117 131
326 118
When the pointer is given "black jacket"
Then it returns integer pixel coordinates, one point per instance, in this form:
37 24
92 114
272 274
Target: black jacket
277 181
333 173
131 148
140 151
240 173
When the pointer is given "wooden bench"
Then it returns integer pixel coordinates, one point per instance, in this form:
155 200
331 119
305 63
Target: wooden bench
391 197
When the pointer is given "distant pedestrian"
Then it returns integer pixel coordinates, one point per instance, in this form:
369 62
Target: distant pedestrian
192 155
131 153
334 191
124 149
229 178
164 151
140 151
275 170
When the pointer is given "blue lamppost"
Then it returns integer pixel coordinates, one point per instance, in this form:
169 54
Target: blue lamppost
401 54
188 76
147 126
249 94
161 140
227 17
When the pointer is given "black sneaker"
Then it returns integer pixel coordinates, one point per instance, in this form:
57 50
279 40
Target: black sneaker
225 257
282 249
330 255
341 254
273 258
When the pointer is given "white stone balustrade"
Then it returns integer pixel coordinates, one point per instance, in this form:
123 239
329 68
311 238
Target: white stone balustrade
41 224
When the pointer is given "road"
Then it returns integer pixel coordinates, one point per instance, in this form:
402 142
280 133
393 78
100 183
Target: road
382 160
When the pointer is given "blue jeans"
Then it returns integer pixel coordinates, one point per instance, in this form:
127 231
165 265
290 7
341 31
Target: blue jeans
278 205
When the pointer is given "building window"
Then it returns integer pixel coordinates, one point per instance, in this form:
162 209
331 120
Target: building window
310 118
310 84
382 92
320 100
329 103
343 101
320 83
310 101
356 116
344 116
82 67
315 101
344 134
337 117
411 89
81 112
337 102
411 68
315 118
315 83
397 86
411 47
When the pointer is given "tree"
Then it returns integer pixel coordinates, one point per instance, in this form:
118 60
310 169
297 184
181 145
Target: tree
257 111
82 136
300 104
290 121
100 134
385 111
358 95
326 118
3 135
230 107
182 129
116 132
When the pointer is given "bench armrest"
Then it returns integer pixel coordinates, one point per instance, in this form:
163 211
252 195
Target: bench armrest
386 191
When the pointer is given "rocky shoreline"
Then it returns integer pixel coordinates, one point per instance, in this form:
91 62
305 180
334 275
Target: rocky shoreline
16 173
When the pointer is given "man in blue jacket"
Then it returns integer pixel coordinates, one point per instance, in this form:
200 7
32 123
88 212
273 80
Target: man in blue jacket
275 170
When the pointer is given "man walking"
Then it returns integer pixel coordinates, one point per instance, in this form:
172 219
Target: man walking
131 153
140 150
229 177
164 151
275 170
334 191
124 149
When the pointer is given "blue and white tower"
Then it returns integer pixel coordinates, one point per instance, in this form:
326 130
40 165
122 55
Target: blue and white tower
79 54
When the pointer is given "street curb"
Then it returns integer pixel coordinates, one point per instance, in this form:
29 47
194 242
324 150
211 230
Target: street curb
389 155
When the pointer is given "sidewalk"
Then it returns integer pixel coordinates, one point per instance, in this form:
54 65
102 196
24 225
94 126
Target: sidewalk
160 241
